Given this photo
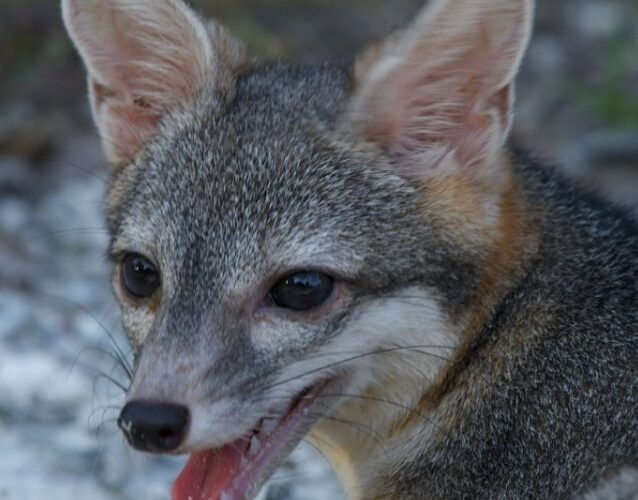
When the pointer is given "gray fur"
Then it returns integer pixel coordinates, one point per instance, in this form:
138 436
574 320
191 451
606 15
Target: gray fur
563 413
237 190
225 187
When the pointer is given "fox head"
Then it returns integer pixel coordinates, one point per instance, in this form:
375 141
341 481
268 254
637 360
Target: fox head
292 243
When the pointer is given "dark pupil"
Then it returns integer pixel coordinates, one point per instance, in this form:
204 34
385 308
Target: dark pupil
302 291
139 276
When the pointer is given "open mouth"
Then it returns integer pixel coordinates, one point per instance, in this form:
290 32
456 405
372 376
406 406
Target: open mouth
237 470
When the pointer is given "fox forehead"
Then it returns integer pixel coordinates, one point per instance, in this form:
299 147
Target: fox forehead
237 191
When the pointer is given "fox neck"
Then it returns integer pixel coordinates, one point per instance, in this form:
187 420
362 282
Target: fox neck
360 436
393 419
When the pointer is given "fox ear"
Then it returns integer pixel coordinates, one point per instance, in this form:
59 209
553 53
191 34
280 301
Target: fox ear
440 94
144 58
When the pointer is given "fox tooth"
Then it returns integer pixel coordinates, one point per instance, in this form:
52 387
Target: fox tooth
255 445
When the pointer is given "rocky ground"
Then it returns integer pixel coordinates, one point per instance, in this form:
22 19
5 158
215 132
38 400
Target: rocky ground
578 106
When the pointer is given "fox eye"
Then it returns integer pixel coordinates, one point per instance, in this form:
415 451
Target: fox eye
302 291
139 276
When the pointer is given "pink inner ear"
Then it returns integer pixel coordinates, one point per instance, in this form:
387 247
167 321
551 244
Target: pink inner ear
444 92
448 96
429 112
127 128
472 142
144 57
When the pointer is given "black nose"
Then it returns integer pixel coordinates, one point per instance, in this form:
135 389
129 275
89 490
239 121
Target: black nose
154 427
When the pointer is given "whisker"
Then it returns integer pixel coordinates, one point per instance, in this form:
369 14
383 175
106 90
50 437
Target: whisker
374 400
101 408
324 442
88 171
117 350
349 360
101 427
104 376
101 350
358 426
103 420
75 230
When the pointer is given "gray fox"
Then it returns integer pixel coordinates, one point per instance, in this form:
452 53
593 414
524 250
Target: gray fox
353 255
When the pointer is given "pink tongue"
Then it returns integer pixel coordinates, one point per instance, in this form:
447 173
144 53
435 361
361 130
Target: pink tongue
207 474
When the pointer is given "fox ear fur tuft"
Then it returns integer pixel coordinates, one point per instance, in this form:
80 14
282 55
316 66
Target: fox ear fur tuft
144 58
439 96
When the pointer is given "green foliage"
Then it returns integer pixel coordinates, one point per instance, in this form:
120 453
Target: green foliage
613 100
258 40
31 40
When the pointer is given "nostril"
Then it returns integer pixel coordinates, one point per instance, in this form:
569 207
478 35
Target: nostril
166 432
154 427
168 435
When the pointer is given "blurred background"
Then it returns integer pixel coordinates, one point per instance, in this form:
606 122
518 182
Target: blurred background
59 395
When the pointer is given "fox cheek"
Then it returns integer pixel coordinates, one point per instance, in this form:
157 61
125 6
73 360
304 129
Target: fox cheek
137 326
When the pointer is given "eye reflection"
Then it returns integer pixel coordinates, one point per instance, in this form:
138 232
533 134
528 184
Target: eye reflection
302 291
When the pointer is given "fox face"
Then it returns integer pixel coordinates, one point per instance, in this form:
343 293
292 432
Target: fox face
274 244
273 263
290 243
